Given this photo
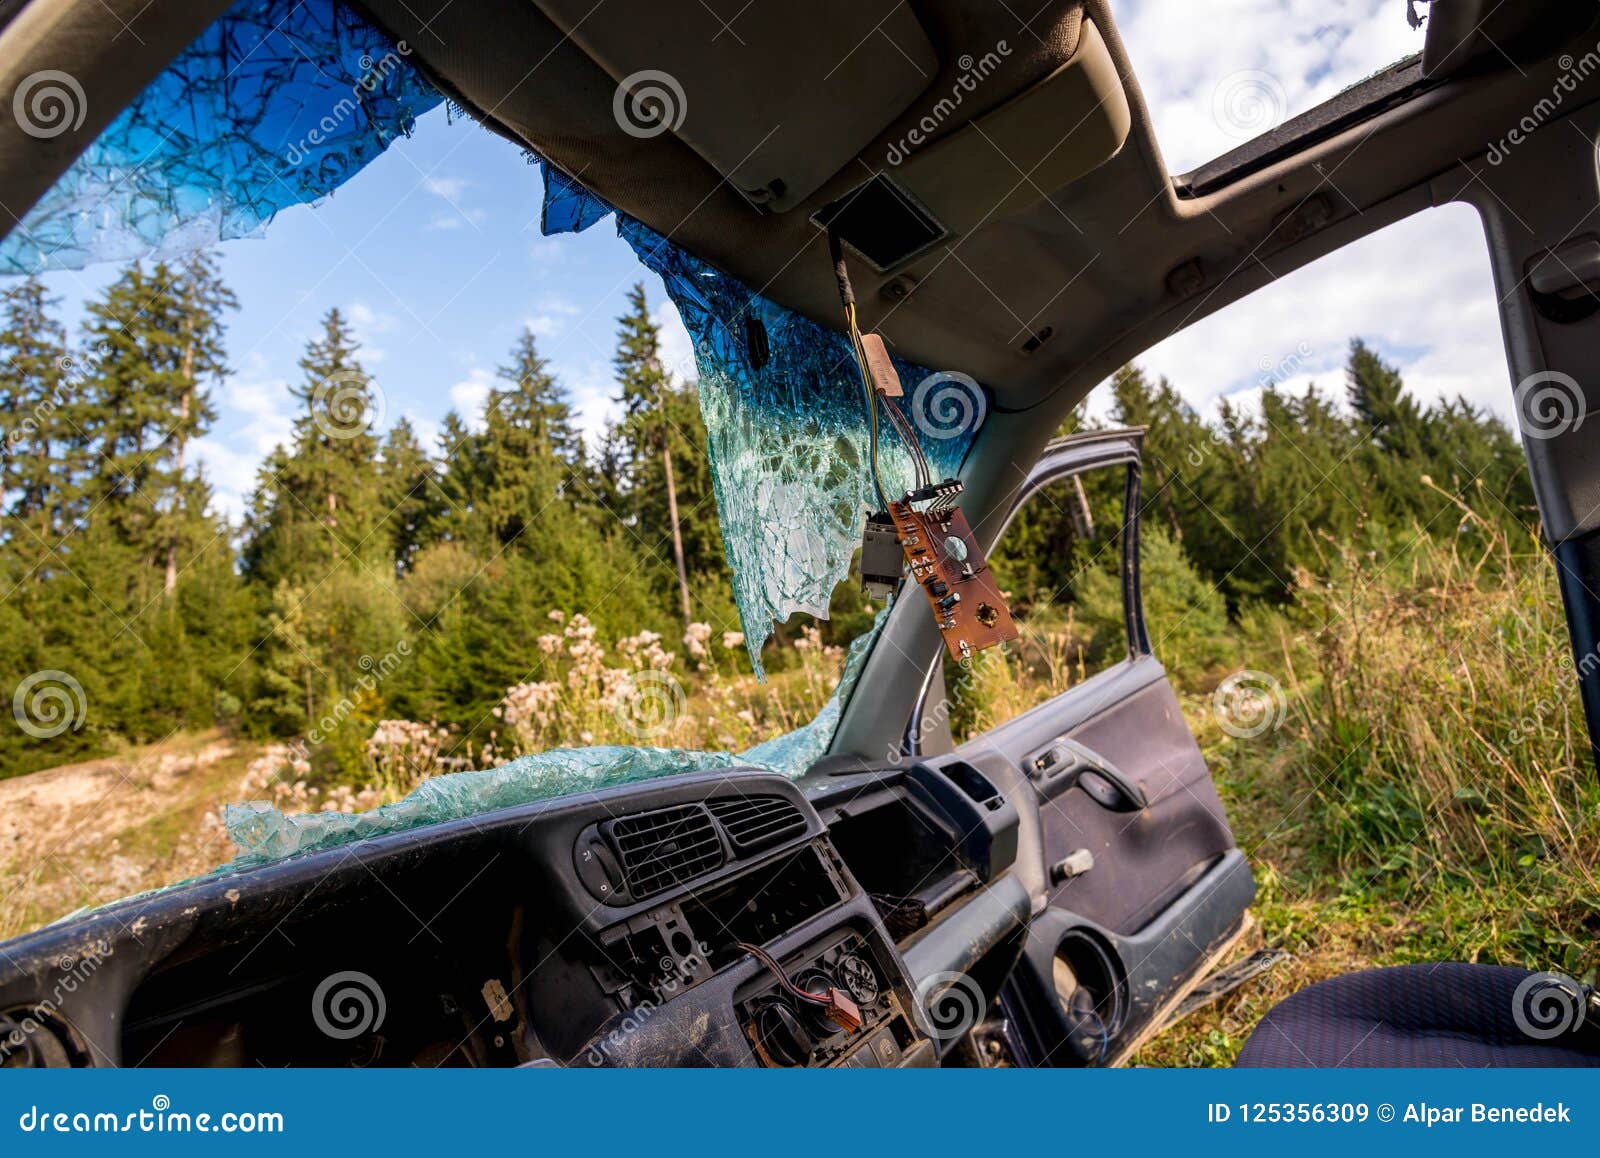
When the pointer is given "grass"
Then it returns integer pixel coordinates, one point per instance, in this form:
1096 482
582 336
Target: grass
84 834
1428 793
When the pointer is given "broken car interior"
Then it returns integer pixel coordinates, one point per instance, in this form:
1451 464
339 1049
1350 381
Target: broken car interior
834 225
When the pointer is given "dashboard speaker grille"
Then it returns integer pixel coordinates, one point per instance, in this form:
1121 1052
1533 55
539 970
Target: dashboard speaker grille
670 846
757 821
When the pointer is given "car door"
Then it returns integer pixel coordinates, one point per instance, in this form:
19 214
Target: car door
1135 878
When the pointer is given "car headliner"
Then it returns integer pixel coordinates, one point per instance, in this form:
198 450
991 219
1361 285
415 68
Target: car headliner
1110 263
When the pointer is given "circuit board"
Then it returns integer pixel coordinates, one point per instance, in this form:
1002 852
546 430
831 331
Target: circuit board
949 565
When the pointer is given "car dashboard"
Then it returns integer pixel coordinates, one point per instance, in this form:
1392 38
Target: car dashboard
689 921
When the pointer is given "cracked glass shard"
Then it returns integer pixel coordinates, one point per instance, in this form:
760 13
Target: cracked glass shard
786 427
277 103
264 834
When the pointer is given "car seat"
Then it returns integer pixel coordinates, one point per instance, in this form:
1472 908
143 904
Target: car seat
1447 1014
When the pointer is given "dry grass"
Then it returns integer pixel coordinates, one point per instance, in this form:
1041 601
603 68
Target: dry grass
85 834
1429 794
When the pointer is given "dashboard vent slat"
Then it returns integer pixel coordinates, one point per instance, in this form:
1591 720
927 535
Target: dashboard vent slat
753 822
668 847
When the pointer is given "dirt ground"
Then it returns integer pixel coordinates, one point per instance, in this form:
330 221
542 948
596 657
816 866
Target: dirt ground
84 834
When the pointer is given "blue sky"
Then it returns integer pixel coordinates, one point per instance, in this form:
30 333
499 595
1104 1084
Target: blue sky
434 253
1217 73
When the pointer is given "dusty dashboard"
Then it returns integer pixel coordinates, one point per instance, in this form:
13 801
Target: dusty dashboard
704 920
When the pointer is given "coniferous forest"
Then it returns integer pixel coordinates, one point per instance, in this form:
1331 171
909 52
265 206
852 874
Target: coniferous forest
356 541
360 543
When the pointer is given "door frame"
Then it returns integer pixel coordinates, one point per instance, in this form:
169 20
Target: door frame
1062 458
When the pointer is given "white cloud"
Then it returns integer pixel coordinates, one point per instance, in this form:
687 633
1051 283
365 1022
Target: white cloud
457 218
469 395
1420 291
364 319
450 188
256 414
231 472
547 251
366 323
1217 73
551 317
426 428
677 348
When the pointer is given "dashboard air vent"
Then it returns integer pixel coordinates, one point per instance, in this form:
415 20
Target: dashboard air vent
670 846
756 821
29 1042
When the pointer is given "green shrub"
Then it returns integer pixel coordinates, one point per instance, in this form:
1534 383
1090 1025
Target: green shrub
1186 615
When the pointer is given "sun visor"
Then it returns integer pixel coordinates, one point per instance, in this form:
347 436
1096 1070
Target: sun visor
777 98
1068 124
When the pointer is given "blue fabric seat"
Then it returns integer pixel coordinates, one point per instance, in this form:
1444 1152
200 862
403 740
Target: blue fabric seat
1428 1015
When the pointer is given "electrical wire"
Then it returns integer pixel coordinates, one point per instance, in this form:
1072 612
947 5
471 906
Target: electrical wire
771 963
902 426
870 396
919 461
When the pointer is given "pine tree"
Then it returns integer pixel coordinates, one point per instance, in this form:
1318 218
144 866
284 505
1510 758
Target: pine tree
320 502
536 402
646 391
133 388
117 513
410 494
1378 396
1178 449
38 468
334 433
154 341
459 479
528 452
203 299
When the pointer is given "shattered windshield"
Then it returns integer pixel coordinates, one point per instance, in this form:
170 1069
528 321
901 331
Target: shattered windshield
355 481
